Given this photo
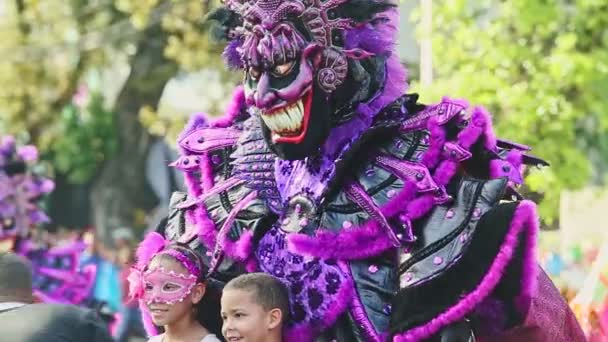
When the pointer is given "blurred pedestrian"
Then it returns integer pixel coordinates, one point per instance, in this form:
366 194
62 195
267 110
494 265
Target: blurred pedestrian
129 321
23 321
107 286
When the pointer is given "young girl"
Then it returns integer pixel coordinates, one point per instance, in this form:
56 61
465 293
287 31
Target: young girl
169 283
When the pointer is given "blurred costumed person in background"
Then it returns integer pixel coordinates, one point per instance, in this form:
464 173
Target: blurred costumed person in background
590 304
57 277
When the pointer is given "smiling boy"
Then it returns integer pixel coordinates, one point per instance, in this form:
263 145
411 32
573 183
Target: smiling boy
254 308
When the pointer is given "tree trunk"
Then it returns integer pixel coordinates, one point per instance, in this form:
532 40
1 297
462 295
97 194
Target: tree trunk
121 190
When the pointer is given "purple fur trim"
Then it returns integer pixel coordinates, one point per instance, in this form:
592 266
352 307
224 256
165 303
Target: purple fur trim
241 249
358 312
231 56
207 230
347 243
445 171
357 194
376 38
515 158
525 217
503 168
437 140
394 86
206 173
215 191
152 244
192 183
344 245
488 133
225 229
343 300
366 37
395 206
252 265
233 110
197 120
468 136
481 125
146 319
530 267
420 206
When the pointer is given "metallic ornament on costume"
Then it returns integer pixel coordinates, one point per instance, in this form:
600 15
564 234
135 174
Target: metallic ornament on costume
300 213
321 19
333 70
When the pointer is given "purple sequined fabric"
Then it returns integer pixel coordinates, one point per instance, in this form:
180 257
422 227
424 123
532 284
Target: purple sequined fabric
315 286
548 319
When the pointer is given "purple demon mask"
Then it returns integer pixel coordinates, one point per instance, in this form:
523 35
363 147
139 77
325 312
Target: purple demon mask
297 56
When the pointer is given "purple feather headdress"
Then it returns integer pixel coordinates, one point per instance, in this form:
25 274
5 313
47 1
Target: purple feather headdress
273 31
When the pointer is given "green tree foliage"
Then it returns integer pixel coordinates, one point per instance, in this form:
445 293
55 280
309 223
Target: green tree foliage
48 47
190 46
541 68
86 138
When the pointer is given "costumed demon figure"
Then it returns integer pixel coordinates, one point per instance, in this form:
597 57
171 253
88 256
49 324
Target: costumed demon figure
57 278
387 219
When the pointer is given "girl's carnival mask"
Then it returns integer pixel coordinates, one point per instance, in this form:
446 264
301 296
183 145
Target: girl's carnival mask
168 287
159 285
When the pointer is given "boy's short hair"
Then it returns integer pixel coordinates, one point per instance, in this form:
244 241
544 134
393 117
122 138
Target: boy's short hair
269 292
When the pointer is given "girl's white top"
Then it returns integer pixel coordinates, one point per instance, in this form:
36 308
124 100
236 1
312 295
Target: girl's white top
208 338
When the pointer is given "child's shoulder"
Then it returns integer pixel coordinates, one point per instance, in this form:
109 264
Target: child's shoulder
210 338
157 338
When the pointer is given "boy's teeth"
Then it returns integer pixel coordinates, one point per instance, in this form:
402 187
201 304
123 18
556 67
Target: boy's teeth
285 120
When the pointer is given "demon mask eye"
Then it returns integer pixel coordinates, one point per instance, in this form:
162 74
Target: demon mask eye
254 73
284 69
